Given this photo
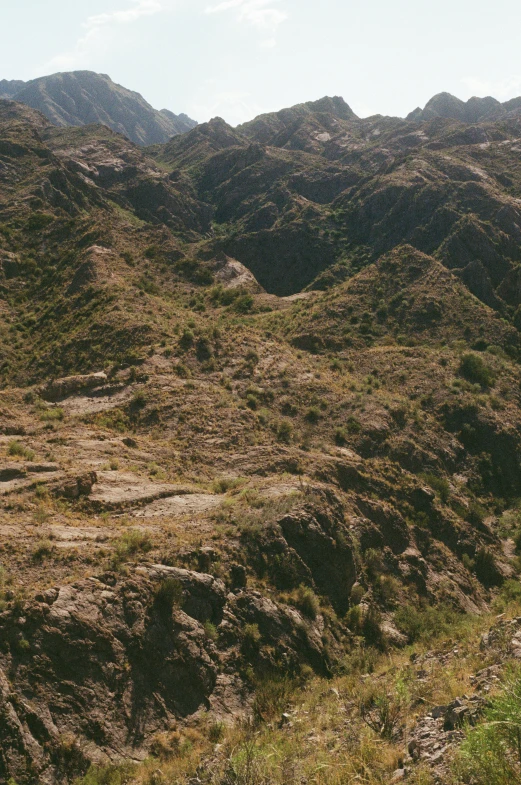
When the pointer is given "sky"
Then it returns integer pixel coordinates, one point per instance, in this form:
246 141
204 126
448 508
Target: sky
238 58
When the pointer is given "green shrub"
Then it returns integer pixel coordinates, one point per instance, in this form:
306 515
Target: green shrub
372 628
152 252
341 437
284 431
511 591
243 303
272 696
475 514
216 732
52 415
418 623
307 602
439 484
486 568
39 221
250 639
120 774
313 415
23 645
373 562
130 544
357 594
353 425
139 400
473 368
18 450
210 630
186 340
491 752
251 402
387 588
169 595
44 549
225 484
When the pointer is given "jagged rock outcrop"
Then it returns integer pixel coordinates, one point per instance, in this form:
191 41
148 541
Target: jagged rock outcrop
92 670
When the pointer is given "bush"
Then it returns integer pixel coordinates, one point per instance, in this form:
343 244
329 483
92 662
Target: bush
216 732
473 369
272 696
383 715
39 221
52 415
139 400
366 621
186 340
44 549
357 594
284 431
243 303
169 595
372 628
18 450
131 543
387 589
475 514
341 437
353 425
511 591
486 568
491 753
438 484
108 775
313 415
210 630
307 602
419 623
250 640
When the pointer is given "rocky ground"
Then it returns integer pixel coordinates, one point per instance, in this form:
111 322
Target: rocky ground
252 534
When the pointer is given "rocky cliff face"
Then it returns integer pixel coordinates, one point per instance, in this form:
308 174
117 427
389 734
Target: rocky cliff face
84 97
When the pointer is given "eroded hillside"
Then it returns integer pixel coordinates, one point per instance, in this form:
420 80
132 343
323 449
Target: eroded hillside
260 430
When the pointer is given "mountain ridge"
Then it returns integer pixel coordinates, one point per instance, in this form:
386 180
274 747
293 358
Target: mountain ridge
474 110
260 439
83 97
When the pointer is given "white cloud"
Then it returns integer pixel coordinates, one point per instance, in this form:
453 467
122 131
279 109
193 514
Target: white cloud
141 8
502 89
258 13
234 106
99 33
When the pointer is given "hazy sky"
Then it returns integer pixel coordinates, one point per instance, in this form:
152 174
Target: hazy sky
237 58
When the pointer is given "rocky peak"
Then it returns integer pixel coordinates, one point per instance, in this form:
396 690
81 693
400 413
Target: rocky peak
83 97
335 106
9 88
475 110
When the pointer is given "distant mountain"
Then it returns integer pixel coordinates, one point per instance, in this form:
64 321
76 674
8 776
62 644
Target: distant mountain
281 128
9 88
475 110
84 97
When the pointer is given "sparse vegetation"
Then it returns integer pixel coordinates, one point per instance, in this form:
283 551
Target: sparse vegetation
475 370
181 421
491 754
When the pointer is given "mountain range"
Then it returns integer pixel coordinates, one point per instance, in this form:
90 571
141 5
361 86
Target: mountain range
260 446
84 97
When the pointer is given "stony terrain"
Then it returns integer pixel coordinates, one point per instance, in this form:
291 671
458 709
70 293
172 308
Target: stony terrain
260 436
